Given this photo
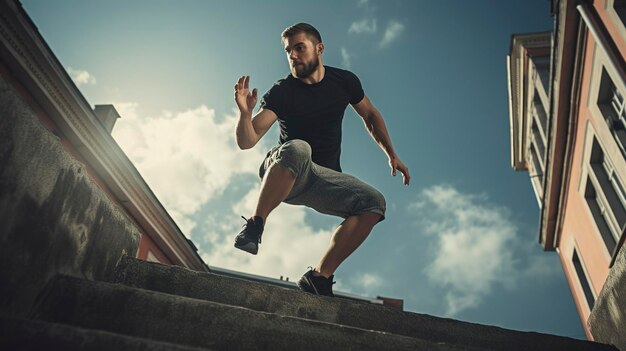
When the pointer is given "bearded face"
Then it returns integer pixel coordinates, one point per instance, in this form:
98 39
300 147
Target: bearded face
304 70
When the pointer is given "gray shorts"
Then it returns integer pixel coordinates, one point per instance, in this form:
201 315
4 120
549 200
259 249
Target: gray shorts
323 189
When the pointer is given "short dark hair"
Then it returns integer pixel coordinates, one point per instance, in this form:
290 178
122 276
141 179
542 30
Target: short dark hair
298 28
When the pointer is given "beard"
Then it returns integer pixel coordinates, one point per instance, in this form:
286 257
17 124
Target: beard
304 70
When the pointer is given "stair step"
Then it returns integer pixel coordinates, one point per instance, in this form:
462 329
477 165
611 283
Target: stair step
24 334
153 315
287 302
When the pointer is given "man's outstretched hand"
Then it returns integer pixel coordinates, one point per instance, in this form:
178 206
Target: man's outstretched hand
244 99
396 164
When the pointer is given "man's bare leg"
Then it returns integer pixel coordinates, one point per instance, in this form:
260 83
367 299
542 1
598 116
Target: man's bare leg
275 187
347 237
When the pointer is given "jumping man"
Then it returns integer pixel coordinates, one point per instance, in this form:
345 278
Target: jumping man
304 168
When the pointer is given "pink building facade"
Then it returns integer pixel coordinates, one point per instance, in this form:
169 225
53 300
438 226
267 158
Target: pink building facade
567 104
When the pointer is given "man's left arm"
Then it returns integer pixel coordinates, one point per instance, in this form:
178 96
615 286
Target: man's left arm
375 124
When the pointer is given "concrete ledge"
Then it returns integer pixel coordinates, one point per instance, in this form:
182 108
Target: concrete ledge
147 314
23 334
607 321
287 302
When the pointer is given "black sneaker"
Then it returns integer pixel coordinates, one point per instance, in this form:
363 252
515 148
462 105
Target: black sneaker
250 236
317 285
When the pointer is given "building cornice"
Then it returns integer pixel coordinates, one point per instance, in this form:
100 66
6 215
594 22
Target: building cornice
523 47
563 53
575 92
35 66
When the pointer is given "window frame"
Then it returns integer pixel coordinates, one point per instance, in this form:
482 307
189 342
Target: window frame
589 177
584 280
620 24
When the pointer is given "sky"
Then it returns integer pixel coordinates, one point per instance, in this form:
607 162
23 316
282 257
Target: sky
461 241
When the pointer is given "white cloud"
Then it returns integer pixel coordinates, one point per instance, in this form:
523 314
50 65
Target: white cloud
365 4
81 77
367 283
392 32
366 25
476 246
187 158
346 58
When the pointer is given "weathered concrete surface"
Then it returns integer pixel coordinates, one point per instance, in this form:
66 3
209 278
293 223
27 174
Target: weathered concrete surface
53 218
272 299
22 334
608 317
143 313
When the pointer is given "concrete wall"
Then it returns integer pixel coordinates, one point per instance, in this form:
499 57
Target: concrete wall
608 318
53 217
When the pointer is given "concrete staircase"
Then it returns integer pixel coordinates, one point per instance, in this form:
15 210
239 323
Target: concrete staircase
149 306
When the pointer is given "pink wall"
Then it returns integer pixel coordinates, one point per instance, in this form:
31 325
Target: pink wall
148 245
579 226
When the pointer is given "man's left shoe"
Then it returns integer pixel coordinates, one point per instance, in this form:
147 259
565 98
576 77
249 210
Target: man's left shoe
250 236
317 285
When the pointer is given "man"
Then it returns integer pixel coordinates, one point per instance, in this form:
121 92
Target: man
304 168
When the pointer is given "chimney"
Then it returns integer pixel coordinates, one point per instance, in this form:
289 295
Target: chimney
391 302
107 115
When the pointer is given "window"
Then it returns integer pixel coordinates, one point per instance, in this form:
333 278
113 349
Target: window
537 140
542 64
582 278
612 106
537 154
536 162
600 215
620 8
606 197
540 112
616 11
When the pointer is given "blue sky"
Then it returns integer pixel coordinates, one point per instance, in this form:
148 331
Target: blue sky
460 241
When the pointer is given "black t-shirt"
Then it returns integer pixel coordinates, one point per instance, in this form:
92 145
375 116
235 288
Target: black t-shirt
314 112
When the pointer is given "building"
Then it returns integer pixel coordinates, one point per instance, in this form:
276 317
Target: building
71 202
567 110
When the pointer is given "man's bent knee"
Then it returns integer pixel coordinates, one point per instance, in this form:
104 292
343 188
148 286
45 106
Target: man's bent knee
296 148
377 199
376 204
295 155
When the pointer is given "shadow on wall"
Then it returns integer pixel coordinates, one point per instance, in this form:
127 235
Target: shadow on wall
53 217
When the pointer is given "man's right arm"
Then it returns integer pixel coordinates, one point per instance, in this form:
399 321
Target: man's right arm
251 129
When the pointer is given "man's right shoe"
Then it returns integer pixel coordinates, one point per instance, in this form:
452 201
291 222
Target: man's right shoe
315 284
250 236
